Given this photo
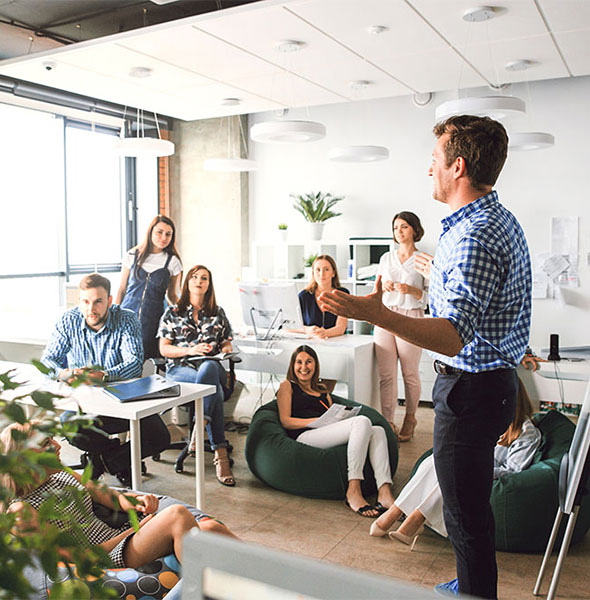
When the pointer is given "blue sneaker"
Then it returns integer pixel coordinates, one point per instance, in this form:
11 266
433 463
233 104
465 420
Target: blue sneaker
451 588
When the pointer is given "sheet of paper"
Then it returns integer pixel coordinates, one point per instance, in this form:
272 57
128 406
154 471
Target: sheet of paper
336 413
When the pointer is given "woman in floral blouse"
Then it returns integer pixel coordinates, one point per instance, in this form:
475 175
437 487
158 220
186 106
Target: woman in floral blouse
195 328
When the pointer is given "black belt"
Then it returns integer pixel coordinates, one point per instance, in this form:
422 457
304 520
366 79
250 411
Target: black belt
442 369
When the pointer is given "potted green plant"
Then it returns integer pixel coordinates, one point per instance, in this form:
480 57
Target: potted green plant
45 547
308 264
316 210
283 231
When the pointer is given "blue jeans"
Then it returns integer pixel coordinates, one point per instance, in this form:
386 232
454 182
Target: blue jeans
471 411
212 373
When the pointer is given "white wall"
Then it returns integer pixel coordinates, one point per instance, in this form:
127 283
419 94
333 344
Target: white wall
534 185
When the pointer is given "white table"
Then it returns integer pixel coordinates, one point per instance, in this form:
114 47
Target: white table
346 358
561 381
93 401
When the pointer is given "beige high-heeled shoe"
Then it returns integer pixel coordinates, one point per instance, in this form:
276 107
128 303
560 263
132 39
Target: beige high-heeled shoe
406 433
376 531
408 540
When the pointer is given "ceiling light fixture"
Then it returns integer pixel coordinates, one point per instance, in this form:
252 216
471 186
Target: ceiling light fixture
140 72
358 154
287 46
518 65
141 146
233 163
496 107
377 29
477 14
531 140
285 132
231 102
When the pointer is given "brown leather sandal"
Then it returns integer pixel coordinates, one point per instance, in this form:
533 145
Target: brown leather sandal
223 479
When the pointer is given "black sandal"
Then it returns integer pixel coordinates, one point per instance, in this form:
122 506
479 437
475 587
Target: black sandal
382 509
364 511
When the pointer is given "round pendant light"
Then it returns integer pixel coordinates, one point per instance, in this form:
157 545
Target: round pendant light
287 132
232 165
358 154
496 107
530 140
144 146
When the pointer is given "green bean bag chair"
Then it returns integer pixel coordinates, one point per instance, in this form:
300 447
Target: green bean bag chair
295 468
525 503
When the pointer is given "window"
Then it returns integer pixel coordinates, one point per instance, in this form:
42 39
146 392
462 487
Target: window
63 214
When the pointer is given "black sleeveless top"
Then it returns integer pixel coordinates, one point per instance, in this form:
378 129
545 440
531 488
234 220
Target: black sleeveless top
306 406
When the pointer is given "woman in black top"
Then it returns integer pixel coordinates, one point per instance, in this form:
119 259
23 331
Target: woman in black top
324 279
302 399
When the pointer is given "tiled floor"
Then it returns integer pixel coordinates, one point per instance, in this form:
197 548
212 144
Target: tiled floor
328 530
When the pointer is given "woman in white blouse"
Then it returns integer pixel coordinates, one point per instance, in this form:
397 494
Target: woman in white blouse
404 292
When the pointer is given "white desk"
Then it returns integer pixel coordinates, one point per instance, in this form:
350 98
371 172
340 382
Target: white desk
347 358
562 381
93 401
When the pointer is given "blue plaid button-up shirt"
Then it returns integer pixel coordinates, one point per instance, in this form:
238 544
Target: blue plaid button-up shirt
117 348
480 281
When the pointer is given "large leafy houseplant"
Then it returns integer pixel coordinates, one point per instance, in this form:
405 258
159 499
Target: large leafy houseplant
23 465
316 208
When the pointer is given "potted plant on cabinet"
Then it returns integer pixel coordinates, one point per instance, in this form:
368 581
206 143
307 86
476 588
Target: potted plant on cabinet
316 210
283 231
308 264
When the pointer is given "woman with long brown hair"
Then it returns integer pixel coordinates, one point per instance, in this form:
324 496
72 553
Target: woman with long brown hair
302 399
324 279
421 498
189 332
151 272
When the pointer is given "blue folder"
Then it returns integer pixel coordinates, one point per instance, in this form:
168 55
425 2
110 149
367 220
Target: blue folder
146 388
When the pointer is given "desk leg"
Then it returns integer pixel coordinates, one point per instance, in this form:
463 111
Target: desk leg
199 455
135 454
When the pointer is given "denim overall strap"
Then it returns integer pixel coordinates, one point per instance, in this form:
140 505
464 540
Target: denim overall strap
145 297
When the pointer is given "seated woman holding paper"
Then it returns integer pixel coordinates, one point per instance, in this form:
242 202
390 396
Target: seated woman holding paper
303 401
421 498
325 278
191 334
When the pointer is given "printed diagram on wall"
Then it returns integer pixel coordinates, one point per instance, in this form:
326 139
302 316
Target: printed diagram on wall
559 269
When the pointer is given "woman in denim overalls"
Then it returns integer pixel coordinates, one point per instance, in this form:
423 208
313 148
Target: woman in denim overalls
150 273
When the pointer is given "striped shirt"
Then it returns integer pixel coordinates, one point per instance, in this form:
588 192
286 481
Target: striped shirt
116 348
480 281
520 454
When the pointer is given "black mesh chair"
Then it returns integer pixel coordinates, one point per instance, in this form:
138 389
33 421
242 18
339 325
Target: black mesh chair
184 445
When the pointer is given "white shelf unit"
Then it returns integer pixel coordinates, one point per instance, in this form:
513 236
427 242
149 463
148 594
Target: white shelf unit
364 251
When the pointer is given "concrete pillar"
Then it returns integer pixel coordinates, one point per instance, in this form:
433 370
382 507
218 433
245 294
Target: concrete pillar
210 209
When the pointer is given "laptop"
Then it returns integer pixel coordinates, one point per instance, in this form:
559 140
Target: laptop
146 388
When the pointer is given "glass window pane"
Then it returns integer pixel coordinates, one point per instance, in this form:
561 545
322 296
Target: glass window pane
31 155
93 179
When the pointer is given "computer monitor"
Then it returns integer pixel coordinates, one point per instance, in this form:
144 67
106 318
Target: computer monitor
270 305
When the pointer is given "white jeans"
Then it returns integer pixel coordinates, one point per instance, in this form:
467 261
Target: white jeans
362 437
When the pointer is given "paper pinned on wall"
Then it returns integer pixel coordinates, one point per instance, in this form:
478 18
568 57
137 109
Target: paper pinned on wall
564 242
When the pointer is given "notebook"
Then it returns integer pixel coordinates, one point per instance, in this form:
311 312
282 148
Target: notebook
146 388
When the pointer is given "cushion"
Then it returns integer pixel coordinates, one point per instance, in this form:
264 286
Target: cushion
153 580
295 468
525 503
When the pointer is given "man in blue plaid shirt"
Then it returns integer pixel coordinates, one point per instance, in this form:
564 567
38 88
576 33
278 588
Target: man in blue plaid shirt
480 301
103 342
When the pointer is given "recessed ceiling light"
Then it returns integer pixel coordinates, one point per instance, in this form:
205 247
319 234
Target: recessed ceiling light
477 14
140 72
377 29
518 65
230 102
360 84
289 46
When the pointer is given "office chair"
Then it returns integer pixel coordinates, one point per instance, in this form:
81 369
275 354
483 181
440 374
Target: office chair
184 445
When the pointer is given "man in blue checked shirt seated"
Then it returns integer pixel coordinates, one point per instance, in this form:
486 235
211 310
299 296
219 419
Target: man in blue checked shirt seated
104 342
480 301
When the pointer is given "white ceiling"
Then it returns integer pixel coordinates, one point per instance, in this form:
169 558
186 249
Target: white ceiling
198 61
